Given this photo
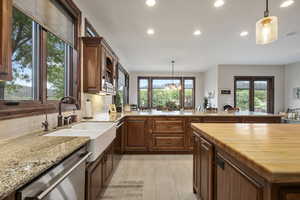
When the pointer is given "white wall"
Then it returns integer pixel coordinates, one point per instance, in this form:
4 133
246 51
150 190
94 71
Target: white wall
292 80
211 84
199 81
226 75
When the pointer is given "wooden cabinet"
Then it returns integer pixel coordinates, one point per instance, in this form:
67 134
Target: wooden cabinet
168 125
119 143
167 134
5 40
196 163
203 168
189 132
100 65
108 163
94 179
219 119
264 120
206 170
234 184
136 135
290 194
99 172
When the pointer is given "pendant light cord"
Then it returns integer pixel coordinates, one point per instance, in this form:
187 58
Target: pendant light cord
267 9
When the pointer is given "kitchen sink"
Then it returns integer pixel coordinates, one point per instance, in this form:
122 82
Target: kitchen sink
101 135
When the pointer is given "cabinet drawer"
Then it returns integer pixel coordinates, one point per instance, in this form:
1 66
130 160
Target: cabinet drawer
168 125
222 120
261 120
168 142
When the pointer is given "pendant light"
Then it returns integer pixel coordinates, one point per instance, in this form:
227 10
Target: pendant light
267 28
172 86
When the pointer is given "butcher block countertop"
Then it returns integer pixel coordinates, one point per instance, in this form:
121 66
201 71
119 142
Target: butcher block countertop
271 150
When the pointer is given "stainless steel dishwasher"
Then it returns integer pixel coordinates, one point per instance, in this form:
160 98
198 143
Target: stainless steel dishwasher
66 181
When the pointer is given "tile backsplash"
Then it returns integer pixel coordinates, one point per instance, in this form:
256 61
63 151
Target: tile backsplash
17 127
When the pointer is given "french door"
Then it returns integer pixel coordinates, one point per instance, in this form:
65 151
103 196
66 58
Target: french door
254 93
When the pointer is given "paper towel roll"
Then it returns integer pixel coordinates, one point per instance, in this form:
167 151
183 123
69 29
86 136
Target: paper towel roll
88 109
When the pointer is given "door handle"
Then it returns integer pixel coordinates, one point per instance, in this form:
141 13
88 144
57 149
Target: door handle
220 162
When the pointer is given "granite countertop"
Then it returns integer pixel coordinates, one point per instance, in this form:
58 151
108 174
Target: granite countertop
271 150
25 158
117 116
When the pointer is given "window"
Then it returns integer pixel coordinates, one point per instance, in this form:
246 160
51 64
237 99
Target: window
122 96
44 57
153 92
161 95
56 67
188 93
143 92
255 94
22 87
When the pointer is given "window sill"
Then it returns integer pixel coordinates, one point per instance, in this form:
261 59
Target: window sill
23 110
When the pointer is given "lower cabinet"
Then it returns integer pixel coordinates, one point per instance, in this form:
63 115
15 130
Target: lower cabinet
234 184
98 173
136 134
203 168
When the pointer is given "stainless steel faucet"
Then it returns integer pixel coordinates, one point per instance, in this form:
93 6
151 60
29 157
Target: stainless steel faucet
65 100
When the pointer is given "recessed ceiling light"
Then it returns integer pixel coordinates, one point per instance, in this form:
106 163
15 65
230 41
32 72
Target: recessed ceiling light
244 33
197 32
219 3
287 3
150 31
150 3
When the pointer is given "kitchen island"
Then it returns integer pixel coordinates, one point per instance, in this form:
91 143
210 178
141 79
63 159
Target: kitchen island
171 132
247 161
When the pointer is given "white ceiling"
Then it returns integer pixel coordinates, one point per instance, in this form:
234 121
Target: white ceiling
174 22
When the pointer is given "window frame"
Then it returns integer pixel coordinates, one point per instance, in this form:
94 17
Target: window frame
150 90
193 96
41 105
252 79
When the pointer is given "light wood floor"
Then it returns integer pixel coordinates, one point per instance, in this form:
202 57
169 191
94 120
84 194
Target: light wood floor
152 177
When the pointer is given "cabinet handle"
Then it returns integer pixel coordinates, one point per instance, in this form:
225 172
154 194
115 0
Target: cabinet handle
220 162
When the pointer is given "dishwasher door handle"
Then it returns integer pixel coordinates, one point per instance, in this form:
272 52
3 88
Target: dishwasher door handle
42 195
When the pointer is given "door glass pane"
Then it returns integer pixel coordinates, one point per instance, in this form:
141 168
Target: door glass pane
188 93
261 96
161 96
242 95
22 85
143 93
55 67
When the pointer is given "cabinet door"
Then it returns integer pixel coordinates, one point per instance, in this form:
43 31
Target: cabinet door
136 135
94 181
234 184
189 132
109 162
206 170
5 40
290 194
92 67
196 163
118 144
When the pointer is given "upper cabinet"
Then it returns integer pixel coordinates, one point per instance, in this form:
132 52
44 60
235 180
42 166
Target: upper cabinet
99 66
5 40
